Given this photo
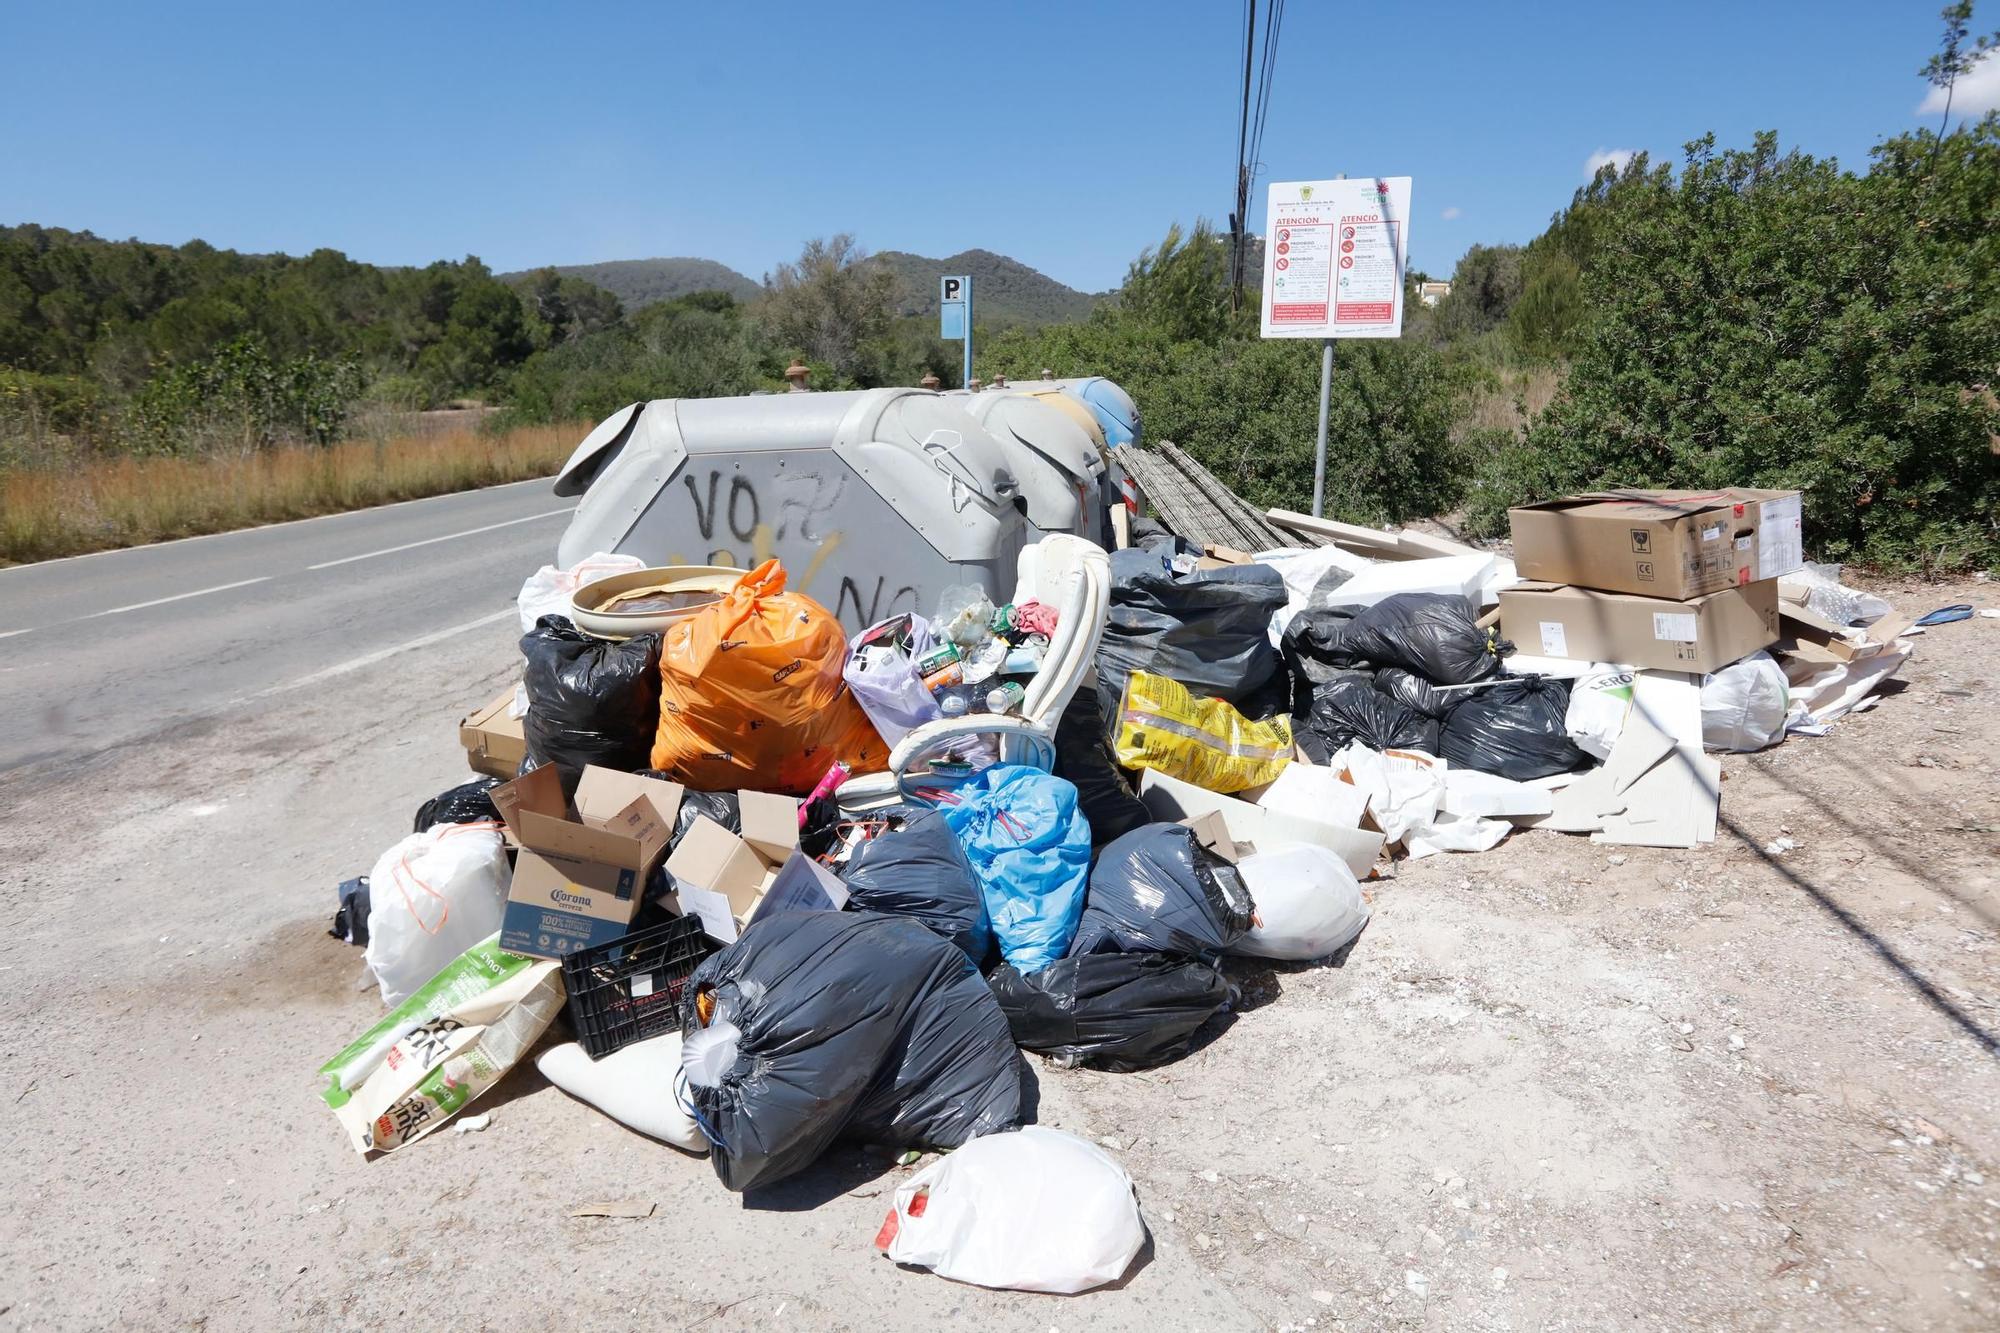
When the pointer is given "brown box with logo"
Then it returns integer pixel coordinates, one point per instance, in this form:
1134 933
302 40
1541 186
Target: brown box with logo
581 874
1674 544
1699 634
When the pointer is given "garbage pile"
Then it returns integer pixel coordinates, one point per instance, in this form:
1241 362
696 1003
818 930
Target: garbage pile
753 887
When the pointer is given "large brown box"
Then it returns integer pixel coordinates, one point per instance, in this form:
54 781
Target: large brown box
1699 634
1676 544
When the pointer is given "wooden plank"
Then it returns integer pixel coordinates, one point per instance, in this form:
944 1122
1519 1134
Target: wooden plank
1369 541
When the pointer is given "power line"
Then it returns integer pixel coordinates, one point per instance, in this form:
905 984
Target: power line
1236 218
1250 131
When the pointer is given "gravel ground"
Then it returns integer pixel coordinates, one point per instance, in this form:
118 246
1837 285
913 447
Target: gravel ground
1555 1085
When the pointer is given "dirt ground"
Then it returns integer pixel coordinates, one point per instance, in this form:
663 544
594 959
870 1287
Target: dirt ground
1554 1085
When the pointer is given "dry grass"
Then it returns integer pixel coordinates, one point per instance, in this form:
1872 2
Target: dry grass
1500 407
96 504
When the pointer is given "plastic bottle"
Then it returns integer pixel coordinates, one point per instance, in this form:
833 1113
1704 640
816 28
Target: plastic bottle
1005 698
954 702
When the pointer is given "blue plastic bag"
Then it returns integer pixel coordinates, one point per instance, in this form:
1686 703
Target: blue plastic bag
1029 845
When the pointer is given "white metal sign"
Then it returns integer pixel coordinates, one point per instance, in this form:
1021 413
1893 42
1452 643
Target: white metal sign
1334 255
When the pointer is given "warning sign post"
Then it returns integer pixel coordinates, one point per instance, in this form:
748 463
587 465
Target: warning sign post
1334 255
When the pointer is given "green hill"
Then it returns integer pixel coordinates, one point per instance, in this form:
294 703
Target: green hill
1004 291
642 282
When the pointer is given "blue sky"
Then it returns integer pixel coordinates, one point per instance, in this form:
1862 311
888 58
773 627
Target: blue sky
1067 135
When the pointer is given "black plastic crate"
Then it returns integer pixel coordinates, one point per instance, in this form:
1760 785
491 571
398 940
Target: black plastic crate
630 989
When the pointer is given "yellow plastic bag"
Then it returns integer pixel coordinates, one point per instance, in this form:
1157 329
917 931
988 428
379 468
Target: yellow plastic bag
1163 727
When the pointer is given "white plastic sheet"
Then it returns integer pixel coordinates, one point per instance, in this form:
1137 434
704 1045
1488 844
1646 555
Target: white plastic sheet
1405 792
1033 1210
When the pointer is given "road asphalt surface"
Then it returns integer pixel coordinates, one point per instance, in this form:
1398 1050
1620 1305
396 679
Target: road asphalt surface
107 650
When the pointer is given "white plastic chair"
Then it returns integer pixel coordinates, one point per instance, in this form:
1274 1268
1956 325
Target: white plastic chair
1074 576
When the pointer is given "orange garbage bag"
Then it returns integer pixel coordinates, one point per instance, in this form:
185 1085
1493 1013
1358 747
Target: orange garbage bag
752 697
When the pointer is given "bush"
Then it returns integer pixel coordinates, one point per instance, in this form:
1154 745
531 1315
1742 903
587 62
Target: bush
1248 407
1770 320
244 398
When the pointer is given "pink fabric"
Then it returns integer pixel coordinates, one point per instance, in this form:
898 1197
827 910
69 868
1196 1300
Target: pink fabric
1035 618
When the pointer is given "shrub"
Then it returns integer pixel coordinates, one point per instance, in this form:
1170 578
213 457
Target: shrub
1771 320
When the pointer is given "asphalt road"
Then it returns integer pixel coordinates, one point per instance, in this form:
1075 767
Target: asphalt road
103 651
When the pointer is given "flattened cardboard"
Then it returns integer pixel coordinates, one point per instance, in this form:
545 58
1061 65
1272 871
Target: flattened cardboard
1312 791
1175 801
494 742
1803 628
1586 624
1671 544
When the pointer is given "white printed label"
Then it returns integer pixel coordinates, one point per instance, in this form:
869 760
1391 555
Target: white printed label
711 907
641 986
1712 531
1780 537
1554 642
1674 626
1743 543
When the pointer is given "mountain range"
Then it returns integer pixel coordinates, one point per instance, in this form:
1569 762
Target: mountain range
1004 290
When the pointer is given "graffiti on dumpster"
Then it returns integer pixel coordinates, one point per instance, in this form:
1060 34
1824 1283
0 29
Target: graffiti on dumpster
733 516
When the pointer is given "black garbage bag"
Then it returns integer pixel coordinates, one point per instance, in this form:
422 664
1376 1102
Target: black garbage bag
590 701
1115 1011
350 919
1208 630
720 806
1432 634
920 871
1354 710
467 803
848 1025
1516 729
1158 890
1085 761
1413 691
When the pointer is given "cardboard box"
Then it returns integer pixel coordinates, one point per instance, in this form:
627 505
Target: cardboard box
581 873
1700 634
1806 633
726 880
494 744
1173 801
1673 544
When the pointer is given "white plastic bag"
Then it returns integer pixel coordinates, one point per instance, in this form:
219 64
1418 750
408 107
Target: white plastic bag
1743 706
547 591
885 682
432 896
1031 1210
1598 703
636 1085
1308 903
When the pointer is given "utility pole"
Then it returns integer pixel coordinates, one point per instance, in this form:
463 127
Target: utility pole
1238 220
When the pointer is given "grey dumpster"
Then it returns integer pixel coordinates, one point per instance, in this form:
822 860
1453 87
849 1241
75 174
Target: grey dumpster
875 501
